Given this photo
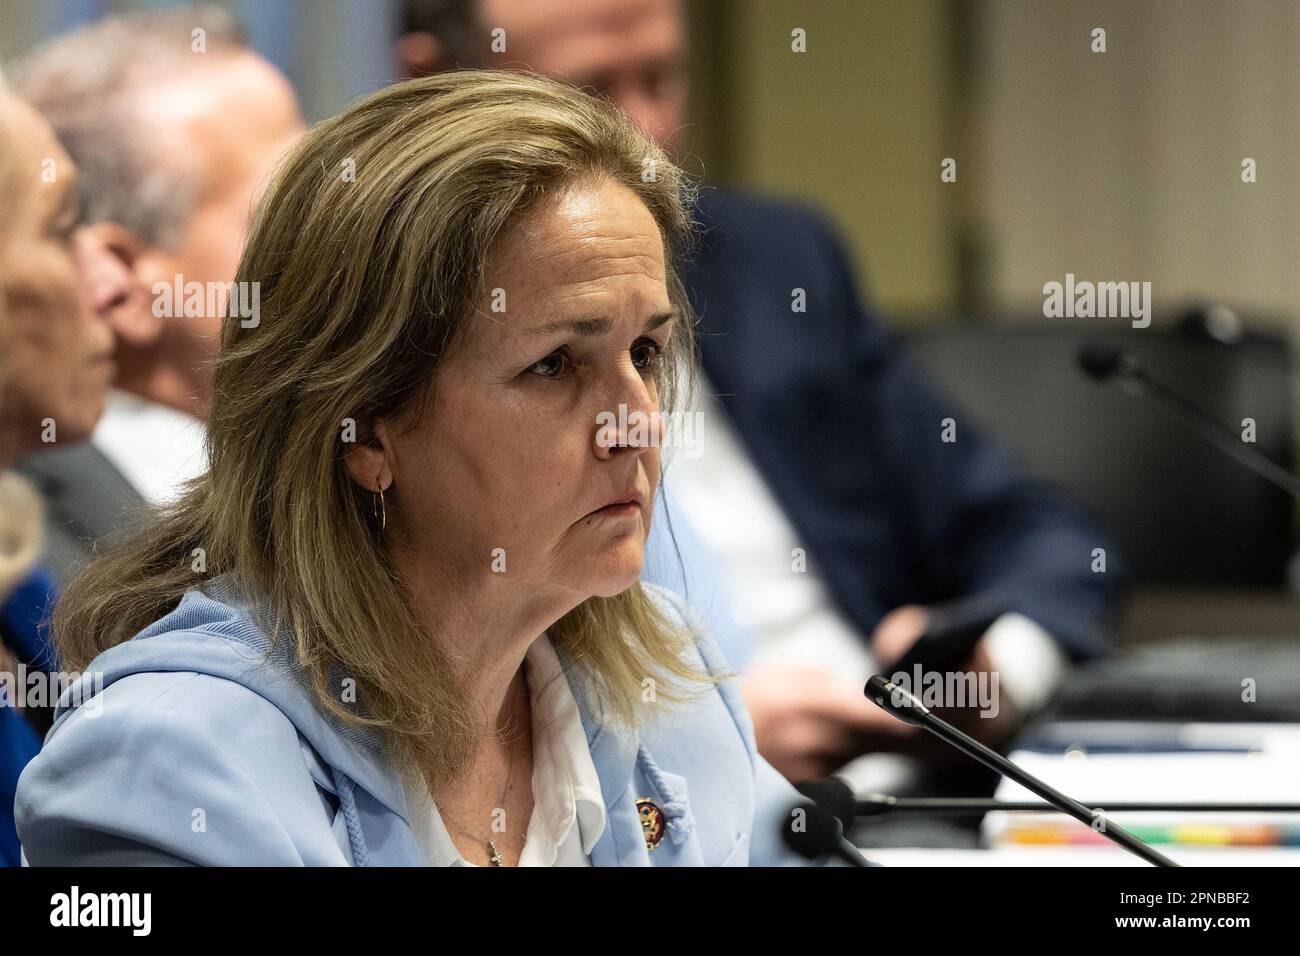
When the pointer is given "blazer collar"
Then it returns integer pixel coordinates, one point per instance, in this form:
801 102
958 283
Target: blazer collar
613 752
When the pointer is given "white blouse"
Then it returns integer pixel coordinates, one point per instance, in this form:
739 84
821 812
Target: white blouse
156 448
568 810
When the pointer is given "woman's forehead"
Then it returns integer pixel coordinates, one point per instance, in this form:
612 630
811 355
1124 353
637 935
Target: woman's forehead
585 226
597 255
40 177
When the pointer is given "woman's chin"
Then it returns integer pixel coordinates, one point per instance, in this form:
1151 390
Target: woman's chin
616 571
613 590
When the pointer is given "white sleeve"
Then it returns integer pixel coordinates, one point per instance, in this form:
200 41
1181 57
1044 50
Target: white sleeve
1029 663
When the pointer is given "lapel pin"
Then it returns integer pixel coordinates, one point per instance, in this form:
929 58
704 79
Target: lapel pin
652 822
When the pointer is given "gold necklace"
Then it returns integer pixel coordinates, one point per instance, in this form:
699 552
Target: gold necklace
494 854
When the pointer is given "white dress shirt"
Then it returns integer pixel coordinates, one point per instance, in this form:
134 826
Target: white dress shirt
155 447
791 614
568 810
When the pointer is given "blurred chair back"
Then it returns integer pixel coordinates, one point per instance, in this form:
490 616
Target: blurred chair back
1184 513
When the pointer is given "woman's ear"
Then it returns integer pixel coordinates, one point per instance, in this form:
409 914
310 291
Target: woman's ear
369 462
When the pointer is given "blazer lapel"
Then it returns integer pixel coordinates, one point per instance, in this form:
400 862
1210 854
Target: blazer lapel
614 755
628 774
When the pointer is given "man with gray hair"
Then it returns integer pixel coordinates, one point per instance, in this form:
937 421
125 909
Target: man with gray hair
175 124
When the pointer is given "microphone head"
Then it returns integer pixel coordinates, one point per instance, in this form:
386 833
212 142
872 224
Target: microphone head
812 833
1103 361
896 700
833 794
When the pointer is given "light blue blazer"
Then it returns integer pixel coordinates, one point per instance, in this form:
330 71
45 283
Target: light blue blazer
202 749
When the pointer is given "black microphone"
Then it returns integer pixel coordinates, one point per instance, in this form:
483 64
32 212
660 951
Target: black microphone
899 702
832 794
814 832
1105 362
879 804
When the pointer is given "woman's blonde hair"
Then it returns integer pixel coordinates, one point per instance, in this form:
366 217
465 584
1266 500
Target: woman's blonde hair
370 249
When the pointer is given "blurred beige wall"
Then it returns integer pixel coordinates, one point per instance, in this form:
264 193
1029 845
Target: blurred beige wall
1123 165
1126 165
858 125
20 27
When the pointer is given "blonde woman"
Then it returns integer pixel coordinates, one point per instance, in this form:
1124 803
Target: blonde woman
399 621
55 365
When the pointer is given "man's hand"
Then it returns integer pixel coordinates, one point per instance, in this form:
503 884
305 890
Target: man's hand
808 724
895 633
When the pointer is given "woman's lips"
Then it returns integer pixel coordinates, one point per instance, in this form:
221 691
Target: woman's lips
623 509
627 505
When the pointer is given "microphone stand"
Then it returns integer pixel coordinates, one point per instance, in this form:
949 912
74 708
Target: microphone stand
882 692
1103 362
878 804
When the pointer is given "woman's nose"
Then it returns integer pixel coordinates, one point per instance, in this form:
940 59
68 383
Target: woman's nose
628 418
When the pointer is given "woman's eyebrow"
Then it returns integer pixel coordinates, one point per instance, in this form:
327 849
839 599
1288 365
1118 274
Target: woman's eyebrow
593 327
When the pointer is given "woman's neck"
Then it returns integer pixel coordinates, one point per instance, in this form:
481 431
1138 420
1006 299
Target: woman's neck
484 626
488 809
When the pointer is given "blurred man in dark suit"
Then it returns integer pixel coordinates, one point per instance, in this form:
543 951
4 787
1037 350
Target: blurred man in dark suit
842 498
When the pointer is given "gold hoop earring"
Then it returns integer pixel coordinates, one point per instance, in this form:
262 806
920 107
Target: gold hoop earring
378 509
